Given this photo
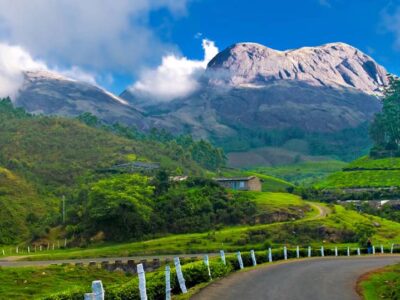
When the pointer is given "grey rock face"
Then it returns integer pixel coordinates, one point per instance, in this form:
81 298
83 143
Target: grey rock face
335 65
49 93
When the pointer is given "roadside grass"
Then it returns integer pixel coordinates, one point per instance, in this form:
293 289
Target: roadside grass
382 284
304 173
37 282
313 230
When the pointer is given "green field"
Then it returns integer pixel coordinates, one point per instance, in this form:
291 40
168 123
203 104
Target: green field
320 224
365 173
383 284
304 173
37 282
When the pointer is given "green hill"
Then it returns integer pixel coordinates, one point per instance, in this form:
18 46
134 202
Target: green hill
365 172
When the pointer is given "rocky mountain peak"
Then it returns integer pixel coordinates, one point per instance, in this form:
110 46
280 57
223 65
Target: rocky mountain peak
331 65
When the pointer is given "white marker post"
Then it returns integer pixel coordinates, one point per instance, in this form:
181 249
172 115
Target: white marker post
167 282
142 282
40 248
322 251
16 250
98 290
179 274
270 255
336 251
4 252
297 252
309 251
53 246
223 257
207 263
253 258
348 251
29 249
240 260
285 253
89 296
358 252
391 249
373 249
382 249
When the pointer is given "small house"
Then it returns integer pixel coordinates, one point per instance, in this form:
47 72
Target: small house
250 183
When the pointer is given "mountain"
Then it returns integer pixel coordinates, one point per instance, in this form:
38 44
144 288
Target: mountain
49 93
313 100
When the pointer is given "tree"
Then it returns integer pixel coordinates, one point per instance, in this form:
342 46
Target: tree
120 206
385 130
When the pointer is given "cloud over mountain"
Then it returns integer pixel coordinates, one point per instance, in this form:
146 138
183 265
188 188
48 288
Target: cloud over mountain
176 77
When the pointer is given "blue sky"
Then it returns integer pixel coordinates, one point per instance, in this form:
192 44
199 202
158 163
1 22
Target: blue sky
116 43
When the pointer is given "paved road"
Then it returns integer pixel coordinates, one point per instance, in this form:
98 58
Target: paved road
315 279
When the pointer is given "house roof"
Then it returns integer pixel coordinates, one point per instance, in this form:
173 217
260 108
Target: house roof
235 178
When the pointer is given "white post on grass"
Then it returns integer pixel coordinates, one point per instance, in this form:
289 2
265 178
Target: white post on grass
285 253
179 274
297 252
48 246
348 251
322 251
29 249
53 246
373 249
167 282
16 250
207 263
142 282
35 248
391 249
336 251
382 249
253 258
65 243
223 257
98 290
358 252
4 252
309 251
240 260
89 296
270 255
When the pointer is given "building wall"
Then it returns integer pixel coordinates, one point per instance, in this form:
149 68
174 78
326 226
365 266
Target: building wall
254 184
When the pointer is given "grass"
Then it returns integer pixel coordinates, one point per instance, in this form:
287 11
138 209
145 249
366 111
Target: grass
365 173
383 284
338 227
303 173
37 282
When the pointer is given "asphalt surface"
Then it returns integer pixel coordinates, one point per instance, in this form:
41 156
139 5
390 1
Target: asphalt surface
311 279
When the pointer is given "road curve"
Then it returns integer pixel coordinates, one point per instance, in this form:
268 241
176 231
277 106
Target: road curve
309 279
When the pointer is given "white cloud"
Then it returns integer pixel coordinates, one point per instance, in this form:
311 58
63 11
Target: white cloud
102 36
14 61
176 77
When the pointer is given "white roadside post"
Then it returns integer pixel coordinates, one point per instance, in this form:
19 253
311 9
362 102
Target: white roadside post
65 243
336 251
89 296
240 260
309 251
270 255
4 252
348 251
53 246
373 249
358 252
29 249
391 249
179 274
16 250
207 263
285 253
35 248
142 282
322 251
98 290
223 257
167 282
48 246
253 258
40 248
382 249
297 252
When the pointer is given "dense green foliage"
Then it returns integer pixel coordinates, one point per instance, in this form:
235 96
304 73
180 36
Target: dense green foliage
385 130
383 284
129 206
202 152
